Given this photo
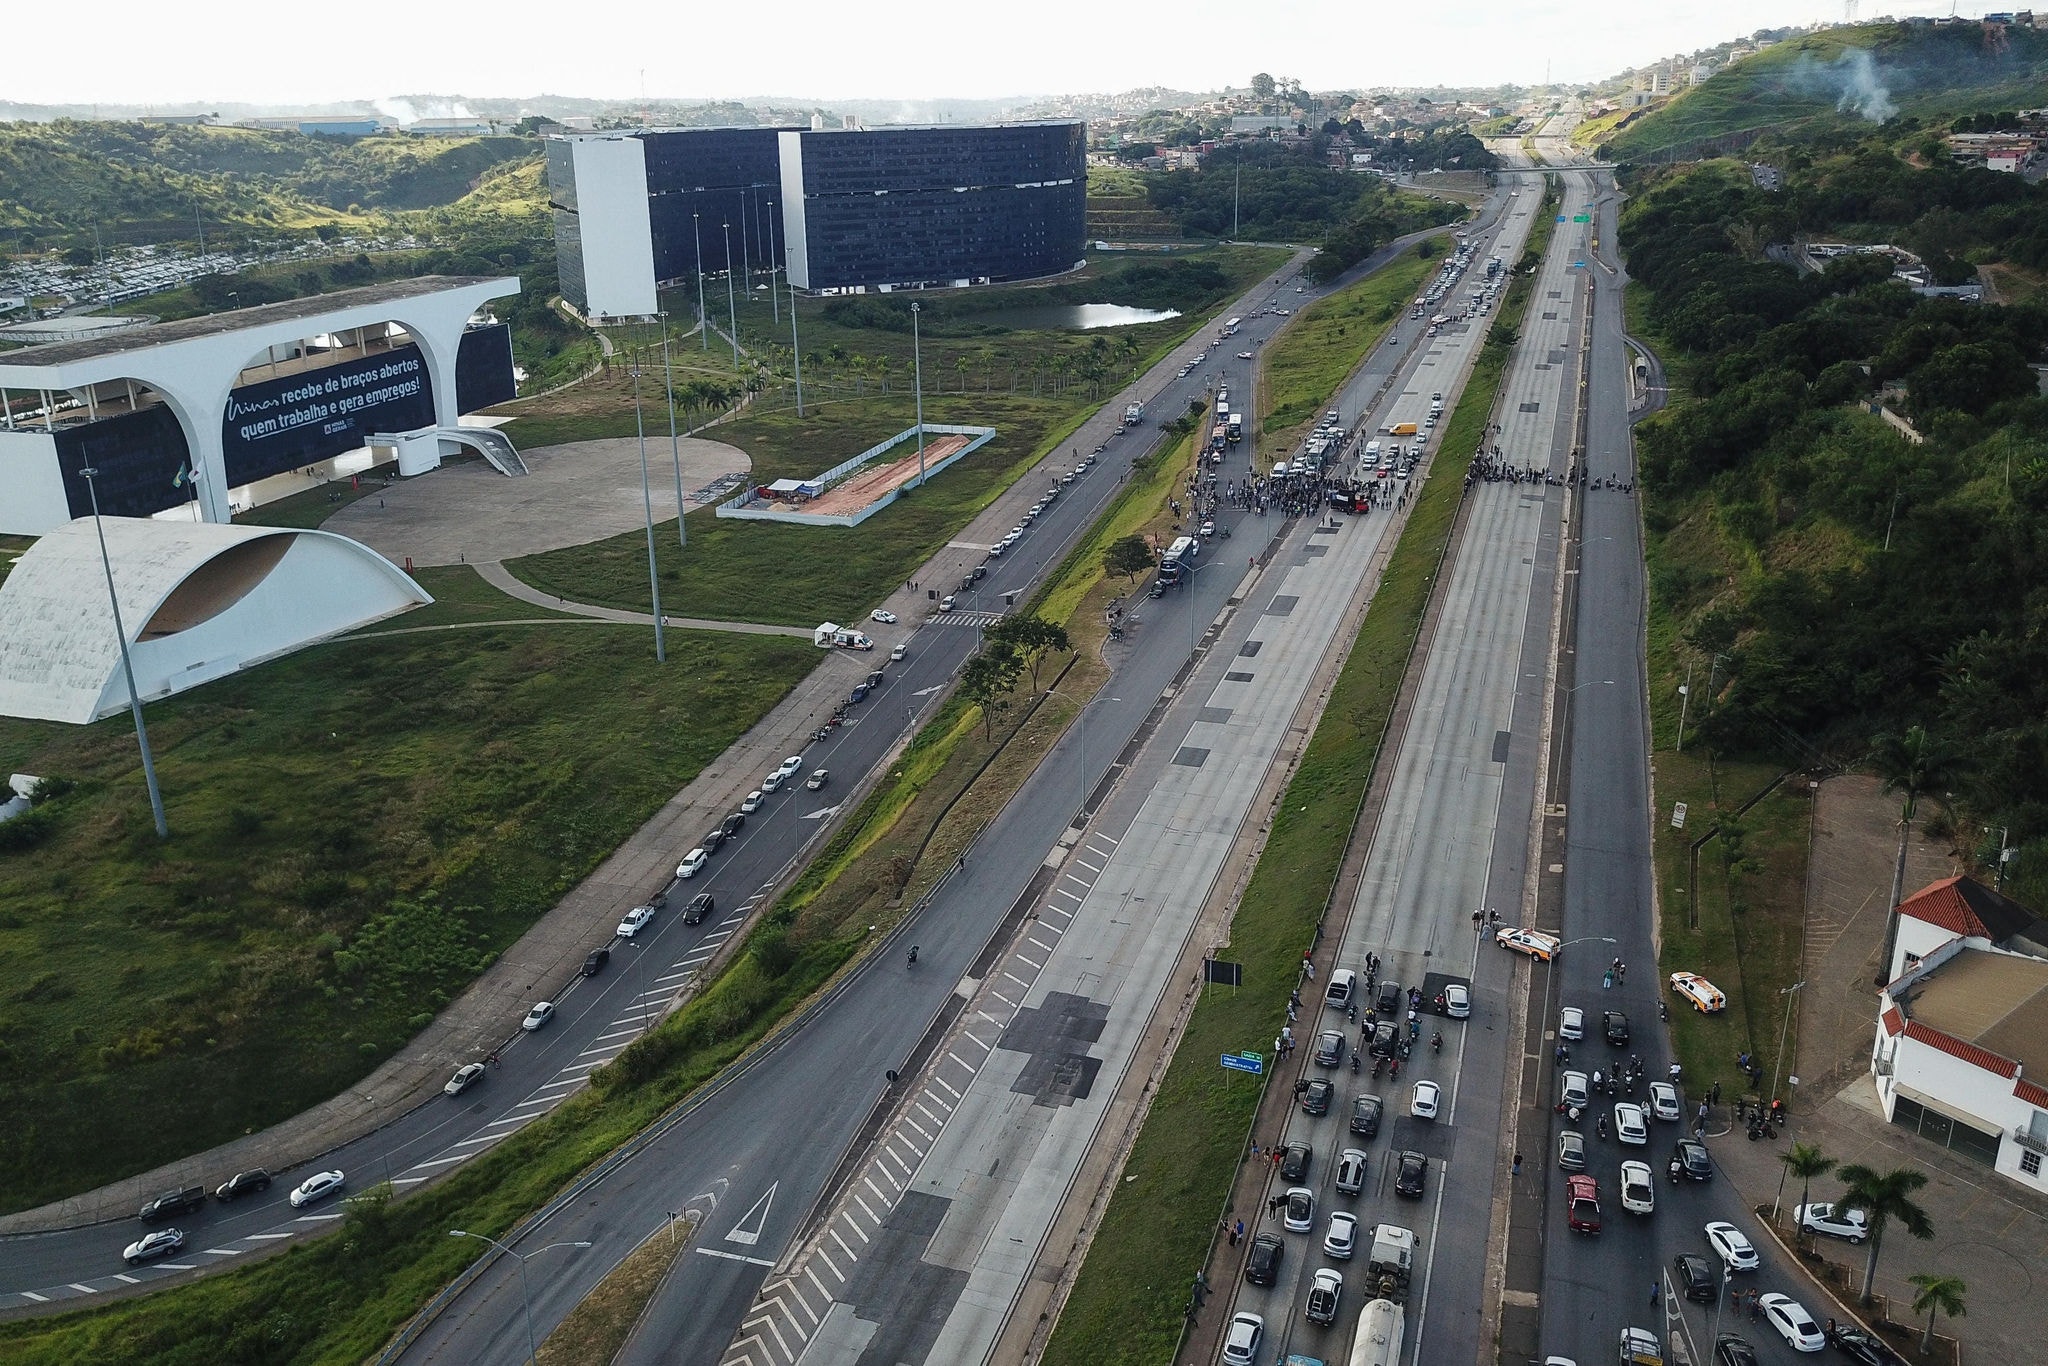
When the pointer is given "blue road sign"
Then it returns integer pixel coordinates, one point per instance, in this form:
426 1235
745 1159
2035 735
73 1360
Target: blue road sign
1242 1062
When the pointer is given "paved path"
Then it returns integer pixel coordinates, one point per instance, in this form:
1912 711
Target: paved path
501 578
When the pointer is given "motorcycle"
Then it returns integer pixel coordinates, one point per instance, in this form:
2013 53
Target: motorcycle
1354 1062
1664 1012
1351 1012
1378 1065
1436 1043
1674 1171
913 955
1600 1126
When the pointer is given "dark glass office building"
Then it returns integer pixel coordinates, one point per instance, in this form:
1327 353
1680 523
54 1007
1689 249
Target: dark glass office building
942 205
844 209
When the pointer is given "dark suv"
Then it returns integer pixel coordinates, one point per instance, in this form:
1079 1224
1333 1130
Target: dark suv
1262 1264
1386 1040
1411 1174
1365 1115
1387 1000
1694 1278
1616 1025
1294 1160
1316 1096
171 1204
242 1183
700 906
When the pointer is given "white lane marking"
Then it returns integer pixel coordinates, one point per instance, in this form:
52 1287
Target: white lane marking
733 1256
32 1295
82 1289
880 1195
119 1276
826 1258
874 1217
319 1218
264 1237
941 1081
222 1252
851 1255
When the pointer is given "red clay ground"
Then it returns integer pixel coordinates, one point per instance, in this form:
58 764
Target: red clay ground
853 494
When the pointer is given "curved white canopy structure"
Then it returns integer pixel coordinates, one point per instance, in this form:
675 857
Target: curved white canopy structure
198 600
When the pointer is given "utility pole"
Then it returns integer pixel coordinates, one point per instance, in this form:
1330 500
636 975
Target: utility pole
732 312
917 374
156 796
703 319
1235 177
796 355
774 298
668 382
647 503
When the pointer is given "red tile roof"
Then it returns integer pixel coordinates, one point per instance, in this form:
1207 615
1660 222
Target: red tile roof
1941 903
1894 1022
1968 1052
2030 1093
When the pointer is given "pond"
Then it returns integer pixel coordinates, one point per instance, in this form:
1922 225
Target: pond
1073 317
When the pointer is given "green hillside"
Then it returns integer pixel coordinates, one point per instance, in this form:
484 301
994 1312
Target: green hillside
139 182
1813 84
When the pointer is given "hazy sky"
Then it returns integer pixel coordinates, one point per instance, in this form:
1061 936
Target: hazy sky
277 51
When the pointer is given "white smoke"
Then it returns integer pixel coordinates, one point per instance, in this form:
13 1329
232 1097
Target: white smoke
410 112
1856 81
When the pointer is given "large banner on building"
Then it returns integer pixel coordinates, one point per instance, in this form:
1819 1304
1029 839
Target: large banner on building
283 424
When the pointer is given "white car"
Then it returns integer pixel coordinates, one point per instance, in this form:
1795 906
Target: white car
538 1016
1833 1220
1325 1291
1300 1214
1704 995
1244 355
887 618
150 1246
1538 945
1735 1250
1630 1126
774 781
693 863
1422 1104
1792 1321
636 919
1571 1023
1457 1002
466 1076
1573 1092
1341 1241
791 766
1663 1100
899 652
752 802
1241 1342
318 1186
1351 1167
1638 1188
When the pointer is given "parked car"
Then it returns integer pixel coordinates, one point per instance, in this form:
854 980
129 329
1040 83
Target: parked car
538 1016
318 1186
899 652
1294 1162
1387 999
1792 1321
1315 1099
242 1183
1298 1214
712 842
1422 1101
1695 1278
1730 1350
1365 1115
1262 1263
732 824
790 767
692 864
887 618
1704 995
1538 945
1386 1040
466 1076
1664 1100
1455 1001
1734 1249
1411 1174
1833 1220
636 920
1582 1204
1343 986
1351 1169
752 802
1571 1023
150 1246
1571 1150
171 1204
1574 1091
1693 1160
1863 1349
1326 1288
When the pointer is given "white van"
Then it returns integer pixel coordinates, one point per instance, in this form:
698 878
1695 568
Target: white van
1342 989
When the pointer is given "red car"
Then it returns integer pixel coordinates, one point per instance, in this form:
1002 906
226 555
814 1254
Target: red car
1582 1214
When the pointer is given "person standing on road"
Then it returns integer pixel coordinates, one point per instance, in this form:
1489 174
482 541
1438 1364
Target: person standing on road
1656 1290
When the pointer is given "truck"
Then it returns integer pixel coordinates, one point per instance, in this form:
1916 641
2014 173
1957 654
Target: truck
1133 412
1378 1339
1391 1261
830 635
1402 429
1639 1348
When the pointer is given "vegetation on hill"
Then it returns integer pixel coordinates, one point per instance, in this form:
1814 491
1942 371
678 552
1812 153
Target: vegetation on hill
1841 81
143 182
1830 580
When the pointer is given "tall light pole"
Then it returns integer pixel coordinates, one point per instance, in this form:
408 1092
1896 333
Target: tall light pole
675 444
732 312
532 1347
774 299
647 502
1778 1067
156 797
703 318
796 355
917 381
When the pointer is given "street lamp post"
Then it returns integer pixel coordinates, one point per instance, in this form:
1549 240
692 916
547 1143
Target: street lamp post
796 355
917 382
532 1348
675 444
732 312
156 796
647 502
1778 1067
703 318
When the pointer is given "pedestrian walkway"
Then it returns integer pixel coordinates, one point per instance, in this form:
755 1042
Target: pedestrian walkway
502 579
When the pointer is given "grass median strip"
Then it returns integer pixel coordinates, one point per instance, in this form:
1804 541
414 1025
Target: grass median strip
1325 341
1129 1301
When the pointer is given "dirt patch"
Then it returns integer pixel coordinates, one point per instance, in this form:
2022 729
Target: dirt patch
597 1328
851 495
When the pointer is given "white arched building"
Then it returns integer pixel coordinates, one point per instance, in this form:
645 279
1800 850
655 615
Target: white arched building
198 601
254 392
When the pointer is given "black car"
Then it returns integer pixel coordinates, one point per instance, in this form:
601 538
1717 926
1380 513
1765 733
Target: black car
875 679
981 571
1365 1115
241 1184
1316 1099
1386 1040
1262 1263
1387 1000
700 906
1694 1278
709 844
733 823
1329 1048
1730 1350
1294 1160
171 1204
1411 1174
1693 1160
1862 1348
594 964
1616 1025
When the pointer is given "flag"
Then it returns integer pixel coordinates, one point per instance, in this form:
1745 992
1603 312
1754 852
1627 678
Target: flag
183 476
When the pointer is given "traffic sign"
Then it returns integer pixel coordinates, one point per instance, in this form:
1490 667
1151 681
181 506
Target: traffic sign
1581 218
1244 1062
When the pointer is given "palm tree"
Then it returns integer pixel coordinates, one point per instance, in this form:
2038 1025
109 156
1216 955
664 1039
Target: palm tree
961 365
1883 1197
1911 763
1806 1161
1938 1295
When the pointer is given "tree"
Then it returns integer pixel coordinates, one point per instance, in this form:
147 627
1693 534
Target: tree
1031 637
1262 86
1806 1161
1129 556
986 682
1883 1197
1937 1295
1911 763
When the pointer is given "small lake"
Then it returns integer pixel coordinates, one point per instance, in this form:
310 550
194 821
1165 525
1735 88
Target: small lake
1073 317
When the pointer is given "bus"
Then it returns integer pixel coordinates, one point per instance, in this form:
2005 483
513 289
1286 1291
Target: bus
1236 427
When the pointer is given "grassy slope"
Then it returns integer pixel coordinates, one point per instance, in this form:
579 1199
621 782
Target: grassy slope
1324 342
1127 1304
203 982
1789 87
